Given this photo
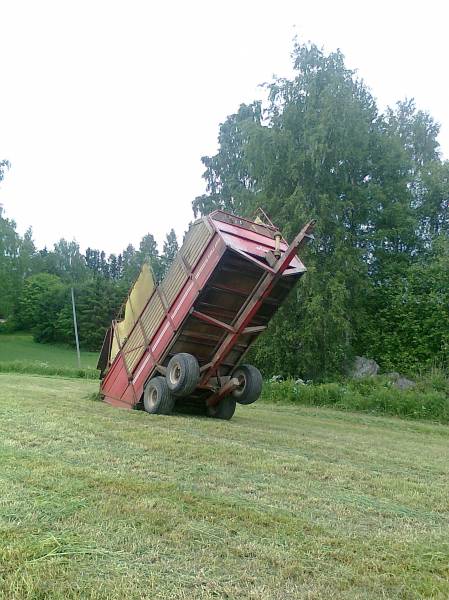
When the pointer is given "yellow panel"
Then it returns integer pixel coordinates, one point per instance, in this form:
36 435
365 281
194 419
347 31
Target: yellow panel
134 347
196 239
141 292
135 340
133 358
174 280
152 316
138 297
114 347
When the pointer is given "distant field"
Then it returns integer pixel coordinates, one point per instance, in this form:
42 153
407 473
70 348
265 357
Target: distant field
21 347
282 502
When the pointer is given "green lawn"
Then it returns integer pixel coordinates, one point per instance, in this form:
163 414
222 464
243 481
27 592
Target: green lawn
21 347
280 503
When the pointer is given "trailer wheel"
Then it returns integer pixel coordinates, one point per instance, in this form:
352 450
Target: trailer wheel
183 373
250 386
223 410
157 398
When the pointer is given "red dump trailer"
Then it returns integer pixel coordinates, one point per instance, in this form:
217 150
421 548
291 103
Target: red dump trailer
187 345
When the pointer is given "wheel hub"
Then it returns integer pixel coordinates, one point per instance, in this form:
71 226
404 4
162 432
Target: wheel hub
153 396
175 374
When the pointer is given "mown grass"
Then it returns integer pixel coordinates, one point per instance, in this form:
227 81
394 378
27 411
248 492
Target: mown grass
20 354
428 400
281 502
46 369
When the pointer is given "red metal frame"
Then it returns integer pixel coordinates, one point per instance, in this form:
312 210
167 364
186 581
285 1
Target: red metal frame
256 299
176 314
246 240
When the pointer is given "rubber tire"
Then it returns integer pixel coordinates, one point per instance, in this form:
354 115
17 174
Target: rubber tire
157 398
251 387
188 374
225 409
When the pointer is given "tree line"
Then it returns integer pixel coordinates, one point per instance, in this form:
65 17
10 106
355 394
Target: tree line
378 281
375 181
36 284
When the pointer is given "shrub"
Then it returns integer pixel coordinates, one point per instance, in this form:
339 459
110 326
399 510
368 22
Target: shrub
38 368
428 400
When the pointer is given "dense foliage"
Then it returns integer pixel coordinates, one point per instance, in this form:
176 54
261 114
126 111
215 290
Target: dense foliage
378 276
429 399
36 285
378 282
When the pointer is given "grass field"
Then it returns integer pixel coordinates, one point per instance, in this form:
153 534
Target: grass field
20 354
282 502
21 347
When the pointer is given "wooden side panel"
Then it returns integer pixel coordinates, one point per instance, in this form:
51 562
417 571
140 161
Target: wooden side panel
155 330
154 312
152 316
162 342
174 280
196 239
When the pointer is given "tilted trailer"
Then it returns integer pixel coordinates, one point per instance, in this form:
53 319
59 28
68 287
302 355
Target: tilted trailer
183 341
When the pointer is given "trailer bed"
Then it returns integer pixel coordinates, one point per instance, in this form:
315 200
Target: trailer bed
220 293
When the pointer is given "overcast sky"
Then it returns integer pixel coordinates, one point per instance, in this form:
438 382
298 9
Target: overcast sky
107 107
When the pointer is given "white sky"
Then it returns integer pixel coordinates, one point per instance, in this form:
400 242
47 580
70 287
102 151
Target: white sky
106 107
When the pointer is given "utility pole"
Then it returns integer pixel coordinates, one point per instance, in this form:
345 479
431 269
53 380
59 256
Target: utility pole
75 325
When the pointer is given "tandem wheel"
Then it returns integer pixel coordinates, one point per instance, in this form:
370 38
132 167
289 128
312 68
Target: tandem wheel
225 409
183 374
157 398
250 384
